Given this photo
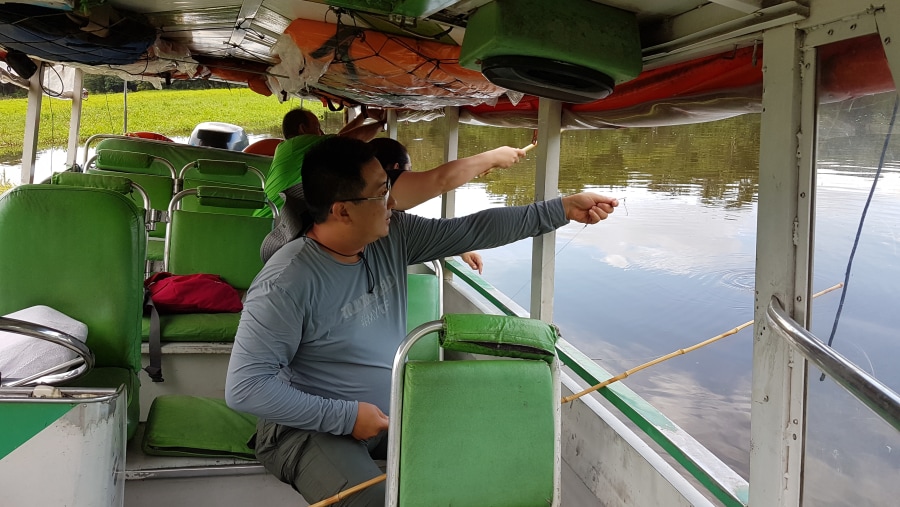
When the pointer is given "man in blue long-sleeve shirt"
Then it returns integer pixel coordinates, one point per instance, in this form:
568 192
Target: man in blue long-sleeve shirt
321 323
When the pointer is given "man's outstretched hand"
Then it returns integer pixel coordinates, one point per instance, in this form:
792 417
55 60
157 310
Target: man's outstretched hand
588 207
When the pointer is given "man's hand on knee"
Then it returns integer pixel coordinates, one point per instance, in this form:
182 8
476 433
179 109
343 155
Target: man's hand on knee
370 421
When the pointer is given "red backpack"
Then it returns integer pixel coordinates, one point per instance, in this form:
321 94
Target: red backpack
197 293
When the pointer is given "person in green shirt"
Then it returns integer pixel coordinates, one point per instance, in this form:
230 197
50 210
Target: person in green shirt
301 130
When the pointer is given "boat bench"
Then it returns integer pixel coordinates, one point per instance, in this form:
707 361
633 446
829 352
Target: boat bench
156 164
221 244
180 155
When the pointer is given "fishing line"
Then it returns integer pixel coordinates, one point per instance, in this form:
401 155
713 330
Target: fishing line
555 255
862 219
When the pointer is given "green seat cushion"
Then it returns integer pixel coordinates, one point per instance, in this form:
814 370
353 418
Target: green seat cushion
423 305
179 425
113 377
477 433
156 249
194 327
500 335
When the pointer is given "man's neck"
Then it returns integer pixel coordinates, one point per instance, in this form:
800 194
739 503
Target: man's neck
338 245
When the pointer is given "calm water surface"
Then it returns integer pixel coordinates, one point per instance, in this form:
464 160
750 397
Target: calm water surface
674 265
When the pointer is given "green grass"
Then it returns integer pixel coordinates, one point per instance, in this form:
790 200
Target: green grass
171 113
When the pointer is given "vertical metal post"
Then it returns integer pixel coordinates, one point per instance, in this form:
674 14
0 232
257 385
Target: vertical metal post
75 119
451 152
125 107
32 125
887 19
392 123
546 186
779 377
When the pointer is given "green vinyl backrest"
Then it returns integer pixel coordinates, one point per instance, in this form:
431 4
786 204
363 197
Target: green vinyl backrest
145 170
477 433
423 305
80 251
182 154
220 173
225 245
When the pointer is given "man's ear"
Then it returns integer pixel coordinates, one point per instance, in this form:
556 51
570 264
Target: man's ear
339 210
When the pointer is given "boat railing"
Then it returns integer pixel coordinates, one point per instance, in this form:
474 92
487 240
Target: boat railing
717 478
863 386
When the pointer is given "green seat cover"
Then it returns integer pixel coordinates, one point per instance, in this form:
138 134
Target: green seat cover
477 433
423 305
194 327
80 251
180 425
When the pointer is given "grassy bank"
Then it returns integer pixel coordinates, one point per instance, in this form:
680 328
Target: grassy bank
172 113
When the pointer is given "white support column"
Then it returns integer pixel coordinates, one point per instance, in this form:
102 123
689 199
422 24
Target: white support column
32 126
75 119
777 397
887 19
392 123
546 186
451 152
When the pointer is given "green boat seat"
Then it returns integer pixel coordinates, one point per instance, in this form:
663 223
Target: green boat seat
80 251
424 304
220 173
180 425
480 432
178 154
154 174
215 243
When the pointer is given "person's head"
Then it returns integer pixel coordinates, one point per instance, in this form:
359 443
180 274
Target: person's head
391 153
342 179
300 121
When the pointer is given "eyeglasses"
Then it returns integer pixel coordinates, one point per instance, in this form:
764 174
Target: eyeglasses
383 198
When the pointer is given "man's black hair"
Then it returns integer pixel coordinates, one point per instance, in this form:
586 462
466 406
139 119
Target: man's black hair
389 152
332 171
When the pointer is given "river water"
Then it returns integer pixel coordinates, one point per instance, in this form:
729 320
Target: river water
674 265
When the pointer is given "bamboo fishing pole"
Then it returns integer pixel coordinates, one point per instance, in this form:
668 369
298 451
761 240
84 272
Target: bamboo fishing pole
678 352
349 491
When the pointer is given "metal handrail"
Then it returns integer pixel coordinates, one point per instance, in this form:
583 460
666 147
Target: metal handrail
84 361
864 387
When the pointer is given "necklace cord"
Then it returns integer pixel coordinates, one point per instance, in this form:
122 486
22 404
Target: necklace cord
370 276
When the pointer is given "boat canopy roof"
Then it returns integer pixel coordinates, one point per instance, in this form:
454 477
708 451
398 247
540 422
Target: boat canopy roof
614 63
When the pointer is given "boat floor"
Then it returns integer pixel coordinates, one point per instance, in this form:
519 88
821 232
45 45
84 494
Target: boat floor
152 481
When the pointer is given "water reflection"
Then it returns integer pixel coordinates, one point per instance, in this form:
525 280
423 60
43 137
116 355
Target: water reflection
850 453
673 271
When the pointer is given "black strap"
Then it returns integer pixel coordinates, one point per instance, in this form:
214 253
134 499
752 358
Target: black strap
154 369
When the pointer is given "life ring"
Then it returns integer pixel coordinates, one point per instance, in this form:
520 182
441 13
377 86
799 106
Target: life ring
263 147
150 135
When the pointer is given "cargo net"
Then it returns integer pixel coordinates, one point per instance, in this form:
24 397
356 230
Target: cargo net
388 70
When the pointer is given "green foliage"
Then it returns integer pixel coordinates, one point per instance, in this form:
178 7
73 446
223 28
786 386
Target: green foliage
171 113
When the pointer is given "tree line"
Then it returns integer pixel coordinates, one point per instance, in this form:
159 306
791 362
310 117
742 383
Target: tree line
98 83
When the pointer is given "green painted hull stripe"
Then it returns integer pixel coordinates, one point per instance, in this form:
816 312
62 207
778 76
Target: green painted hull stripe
21 421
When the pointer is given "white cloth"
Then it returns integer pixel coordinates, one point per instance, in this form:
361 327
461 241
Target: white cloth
22 356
